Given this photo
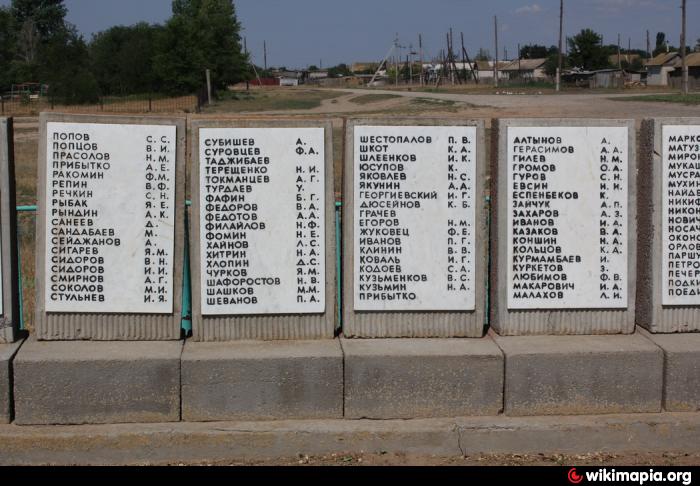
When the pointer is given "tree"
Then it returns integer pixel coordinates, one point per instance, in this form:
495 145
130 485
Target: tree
201 34
535 51
586 51
552 64
48 16
122 59
7 48
341 70
64 65
660 43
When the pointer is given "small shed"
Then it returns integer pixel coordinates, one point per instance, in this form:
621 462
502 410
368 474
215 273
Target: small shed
660 67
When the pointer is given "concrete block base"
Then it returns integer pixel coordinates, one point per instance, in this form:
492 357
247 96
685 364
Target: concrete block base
409 378
7 353
247 380
97 382
574 375
681 370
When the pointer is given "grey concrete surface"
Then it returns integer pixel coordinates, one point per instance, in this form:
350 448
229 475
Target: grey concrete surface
409 378
570 375
681 370
192 442
248 380
9 320
7 354
97 382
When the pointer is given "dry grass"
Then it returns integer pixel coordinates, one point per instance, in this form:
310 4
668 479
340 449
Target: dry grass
270 99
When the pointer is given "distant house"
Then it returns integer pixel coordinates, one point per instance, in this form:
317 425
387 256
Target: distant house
290 78
529 69
485 70
364 67
693 62
660 67
607 78
318 75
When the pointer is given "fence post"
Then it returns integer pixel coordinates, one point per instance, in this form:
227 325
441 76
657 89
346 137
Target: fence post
2 101
150 103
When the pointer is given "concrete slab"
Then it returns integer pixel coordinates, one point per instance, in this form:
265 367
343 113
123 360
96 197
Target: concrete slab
409 378
7 353
97 382
246 380
681 370
570 375
221 441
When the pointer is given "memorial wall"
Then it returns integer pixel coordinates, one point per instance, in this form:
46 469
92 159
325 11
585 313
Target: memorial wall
9 291
669 262
414 228
263 230
564 227
110 228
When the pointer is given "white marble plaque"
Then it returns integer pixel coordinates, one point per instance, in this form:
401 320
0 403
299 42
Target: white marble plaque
262 217
414 218
567 217
681 215
110 218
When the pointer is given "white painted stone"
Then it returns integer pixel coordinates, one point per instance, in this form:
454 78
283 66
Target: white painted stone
573 265
421 196
97 230
680 274
271 182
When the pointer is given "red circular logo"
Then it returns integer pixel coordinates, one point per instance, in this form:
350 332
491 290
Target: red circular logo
574 477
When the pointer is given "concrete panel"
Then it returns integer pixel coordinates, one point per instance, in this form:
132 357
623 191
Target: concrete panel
97 382
416 324
577 375
553 321
262 380
9 317
409 378
652 314
7 354
110 326
681 370
264 327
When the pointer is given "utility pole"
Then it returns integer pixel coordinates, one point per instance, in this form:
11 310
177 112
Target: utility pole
619 56
495 62
684 61
245 52
265 55
561 43
420 48
648 46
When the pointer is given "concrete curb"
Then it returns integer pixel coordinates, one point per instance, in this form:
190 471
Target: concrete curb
217 441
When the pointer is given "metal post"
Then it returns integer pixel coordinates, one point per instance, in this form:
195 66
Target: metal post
684 61
209 86
495 62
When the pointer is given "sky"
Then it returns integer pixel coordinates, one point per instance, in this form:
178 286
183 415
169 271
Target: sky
304 32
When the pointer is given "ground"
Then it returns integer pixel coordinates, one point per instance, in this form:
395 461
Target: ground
641 459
